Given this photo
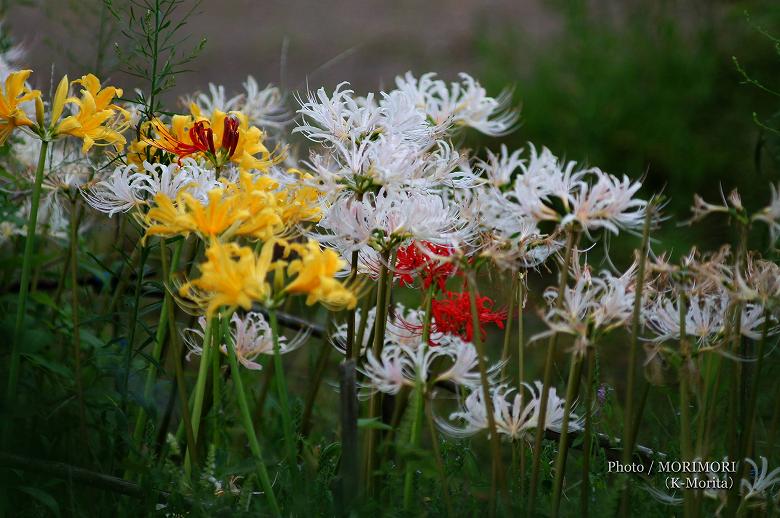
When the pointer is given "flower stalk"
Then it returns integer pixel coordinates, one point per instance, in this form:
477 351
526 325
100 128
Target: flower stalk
587 437
24 283
380 323
572 387
685 411
200 391
418 404
74 310
249 429
290 441
497 472
563 273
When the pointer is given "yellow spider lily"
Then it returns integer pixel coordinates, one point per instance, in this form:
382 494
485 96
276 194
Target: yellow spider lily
231 277
12 95
315 270
98 121
187 214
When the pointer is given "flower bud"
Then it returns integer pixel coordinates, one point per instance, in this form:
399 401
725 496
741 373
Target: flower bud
39 112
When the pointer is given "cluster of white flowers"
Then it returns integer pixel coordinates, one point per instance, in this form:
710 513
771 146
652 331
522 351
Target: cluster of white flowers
386 162
250 335
129 186
521 194
404 364
591 306
706 318
516 412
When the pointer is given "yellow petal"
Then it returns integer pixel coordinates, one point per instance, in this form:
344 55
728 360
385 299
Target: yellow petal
68 125
59 100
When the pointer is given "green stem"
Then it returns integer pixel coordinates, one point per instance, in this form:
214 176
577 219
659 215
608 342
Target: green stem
628 417
497 476
216 375
419 404
281 388
521 290
685 412
685 417
352 352
563 442
249 429
319 373
181 387
414 441
753 400
445 491
133 324
159 338
548 364
74 310
588 435
510 313
24 283
200 390
380 323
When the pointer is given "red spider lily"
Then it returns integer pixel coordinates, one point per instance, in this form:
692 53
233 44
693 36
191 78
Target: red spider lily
230 135
412 260
201 137
452 315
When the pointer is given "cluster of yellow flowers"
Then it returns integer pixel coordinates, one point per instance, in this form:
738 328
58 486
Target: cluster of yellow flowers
234 276
96 119
253 208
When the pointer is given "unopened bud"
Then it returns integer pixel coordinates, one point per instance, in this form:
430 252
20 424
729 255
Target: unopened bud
39 112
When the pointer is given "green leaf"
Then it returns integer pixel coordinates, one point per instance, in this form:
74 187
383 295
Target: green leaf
373 423
40 361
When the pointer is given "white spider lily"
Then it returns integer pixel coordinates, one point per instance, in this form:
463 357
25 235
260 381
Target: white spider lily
404 364
215 100
761 281
540 186
515 416
338 117
264 107
705 318
126 187
251 336
391 218
465 361
390 161
121 191
171 179
395 368
500 167
460 104
756 489
771 213
608 203
403 327
593 305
